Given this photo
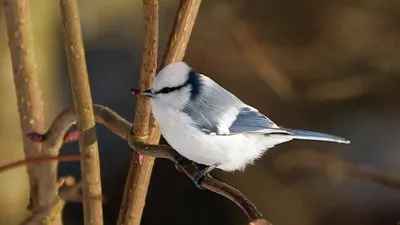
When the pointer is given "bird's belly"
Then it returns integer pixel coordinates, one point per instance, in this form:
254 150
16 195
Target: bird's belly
233 152
195 146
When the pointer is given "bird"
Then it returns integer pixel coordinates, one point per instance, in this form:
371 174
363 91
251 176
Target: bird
207 124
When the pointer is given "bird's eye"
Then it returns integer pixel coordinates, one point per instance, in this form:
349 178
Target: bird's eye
166 90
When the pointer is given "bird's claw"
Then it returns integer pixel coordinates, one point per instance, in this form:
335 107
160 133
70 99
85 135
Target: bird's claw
199 177
178 162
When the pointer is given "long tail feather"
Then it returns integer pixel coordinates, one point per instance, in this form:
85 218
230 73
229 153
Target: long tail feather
316 136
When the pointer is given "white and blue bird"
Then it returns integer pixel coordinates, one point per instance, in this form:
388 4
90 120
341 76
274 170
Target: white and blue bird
207 124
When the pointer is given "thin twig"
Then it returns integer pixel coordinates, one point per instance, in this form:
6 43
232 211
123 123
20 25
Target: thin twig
90 165
139 175
68 192
190 169
181 31
38 160
29 95
176 47
138 179
260 222
122 128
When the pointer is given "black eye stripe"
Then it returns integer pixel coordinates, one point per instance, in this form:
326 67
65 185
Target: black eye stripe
166 90
193 80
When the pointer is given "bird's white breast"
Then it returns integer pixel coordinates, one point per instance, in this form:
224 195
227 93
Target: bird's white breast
234 152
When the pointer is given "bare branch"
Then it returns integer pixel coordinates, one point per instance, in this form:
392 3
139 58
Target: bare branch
190 169
176 47
29 95
68 192
38 160
139 174
90 165
122 128
181 31
260 222
140 169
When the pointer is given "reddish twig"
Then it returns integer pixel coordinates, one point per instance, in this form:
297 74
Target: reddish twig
37 160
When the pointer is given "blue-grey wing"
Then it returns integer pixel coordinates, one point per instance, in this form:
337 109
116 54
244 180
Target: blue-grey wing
250 120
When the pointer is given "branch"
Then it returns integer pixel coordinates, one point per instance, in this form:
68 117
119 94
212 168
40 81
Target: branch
90 165
176 47
29 95
181 31
190 169
68 192
138 179
122 128
38 160
139 174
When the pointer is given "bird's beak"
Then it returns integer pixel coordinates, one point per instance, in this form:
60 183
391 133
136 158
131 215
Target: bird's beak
148 93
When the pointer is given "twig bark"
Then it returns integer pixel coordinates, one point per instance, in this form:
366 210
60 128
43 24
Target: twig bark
176 47
90 165
139 175
29 95
122 128
181 31
68 192
138 179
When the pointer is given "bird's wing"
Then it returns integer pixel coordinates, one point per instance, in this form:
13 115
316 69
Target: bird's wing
248 120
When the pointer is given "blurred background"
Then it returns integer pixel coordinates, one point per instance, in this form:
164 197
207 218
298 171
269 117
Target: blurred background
328 66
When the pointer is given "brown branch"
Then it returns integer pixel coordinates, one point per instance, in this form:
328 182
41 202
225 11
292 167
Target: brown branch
181 31
260 222
176 47
29 95
138 179
122 128
139 174
190 169
68 192
90 165
38 160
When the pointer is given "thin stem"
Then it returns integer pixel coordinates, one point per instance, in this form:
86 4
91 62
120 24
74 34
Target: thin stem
38 160
139 174
29 95
83 106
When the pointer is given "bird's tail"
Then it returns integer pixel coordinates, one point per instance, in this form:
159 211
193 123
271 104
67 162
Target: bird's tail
316 136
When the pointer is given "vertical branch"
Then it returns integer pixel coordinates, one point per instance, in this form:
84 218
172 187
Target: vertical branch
139 174
176 47
83 107
181 31
29 95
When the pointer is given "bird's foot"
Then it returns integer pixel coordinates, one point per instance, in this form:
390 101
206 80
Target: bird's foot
179 160
199 177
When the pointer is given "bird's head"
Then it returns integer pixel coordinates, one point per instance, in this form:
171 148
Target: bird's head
174 86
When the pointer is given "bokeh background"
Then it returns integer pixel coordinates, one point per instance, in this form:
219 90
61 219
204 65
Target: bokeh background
329 66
